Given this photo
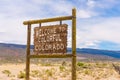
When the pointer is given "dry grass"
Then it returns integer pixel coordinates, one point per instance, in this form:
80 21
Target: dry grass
85 71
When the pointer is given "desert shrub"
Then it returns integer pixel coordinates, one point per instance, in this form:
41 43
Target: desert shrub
64 63
101 65
21 75
117 68
62 68
88 72
49 72
7 72
81 64
35 73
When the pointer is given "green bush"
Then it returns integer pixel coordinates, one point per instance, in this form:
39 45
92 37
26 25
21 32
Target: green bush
62 68
80 64
21 75
49 72
7 72
35 73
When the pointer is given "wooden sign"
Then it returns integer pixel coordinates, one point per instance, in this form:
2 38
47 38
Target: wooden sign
50 39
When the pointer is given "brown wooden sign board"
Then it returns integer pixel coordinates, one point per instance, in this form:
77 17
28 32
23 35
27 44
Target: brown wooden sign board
50 39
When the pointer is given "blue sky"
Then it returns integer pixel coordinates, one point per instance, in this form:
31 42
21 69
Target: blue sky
98 21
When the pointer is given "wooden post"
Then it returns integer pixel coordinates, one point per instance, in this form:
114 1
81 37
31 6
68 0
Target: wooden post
74 44
60 22
47 20
28 56
28 52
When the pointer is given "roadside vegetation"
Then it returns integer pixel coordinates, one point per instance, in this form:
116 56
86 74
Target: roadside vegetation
62 71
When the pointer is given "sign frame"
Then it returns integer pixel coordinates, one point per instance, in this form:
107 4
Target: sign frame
73 55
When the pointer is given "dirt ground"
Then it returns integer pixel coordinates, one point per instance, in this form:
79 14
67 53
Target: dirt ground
88 71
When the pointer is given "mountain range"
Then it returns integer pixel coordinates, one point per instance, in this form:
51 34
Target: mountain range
13 51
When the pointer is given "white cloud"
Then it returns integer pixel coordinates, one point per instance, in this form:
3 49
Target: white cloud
91 3
106 29
101 3
85 14
13 31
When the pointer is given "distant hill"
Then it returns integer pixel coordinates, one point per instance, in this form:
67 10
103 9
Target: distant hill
17 51
114 54
110 53
12 52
